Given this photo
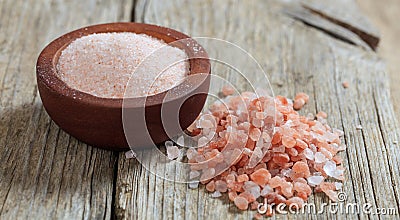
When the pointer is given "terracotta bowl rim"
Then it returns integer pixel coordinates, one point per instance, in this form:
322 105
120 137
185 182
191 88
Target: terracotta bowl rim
46 70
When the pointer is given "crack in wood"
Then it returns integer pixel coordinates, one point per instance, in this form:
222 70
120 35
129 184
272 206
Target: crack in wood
133 11
370 39
313 20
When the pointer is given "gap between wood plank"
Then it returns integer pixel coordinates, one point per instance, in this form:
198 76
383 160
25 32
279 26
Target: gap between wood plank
133 9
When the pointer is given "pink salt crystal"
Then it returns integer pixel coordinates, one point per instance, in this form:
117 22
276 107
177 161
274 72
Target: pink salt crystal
207 174
295 203
266 137
330 168
130 154
206 124
168 144
338 186
252 188
286 172
255 157
230 177
332 195
308 154
261 115
345 84
337 159
322 114
279 149
266 190
302 95
241 203
221 186
287 189
276 182
247 151
193 174
310 116
173 152
340 133
254 205
342 147
301 167
180 141
202 141
232 195
258 123
261 176
279 198
319 157
277 137
326 153
288 142
302 187
191 153
210 186
216 194
227 90
328 189
299 145
255 134
339 173
194 185
242 178
248 196
315 180
280 158
298 103
300 180
102 65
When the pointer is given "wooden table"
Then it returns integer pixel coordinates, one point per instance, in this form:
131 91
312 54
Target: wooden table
47 174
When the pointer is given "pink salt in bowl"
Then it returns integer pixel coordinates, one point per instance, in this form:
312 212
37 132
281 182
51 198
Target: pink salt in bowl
98 121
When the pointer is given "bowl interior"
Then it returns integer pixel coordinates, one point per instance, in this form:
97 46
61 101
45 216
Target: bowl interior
198 64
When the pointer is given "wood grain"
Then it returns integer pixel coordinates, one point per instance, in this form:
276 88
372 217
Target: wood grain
296 58
384 15
45 173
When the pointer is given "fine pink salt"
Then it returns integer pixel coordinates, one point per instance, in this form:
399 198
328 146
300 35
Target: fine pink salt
252 163
103 64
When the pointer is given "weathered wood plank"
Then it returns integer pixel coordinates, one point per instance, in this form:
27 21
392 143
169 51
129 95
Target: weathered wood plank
45 173
296 58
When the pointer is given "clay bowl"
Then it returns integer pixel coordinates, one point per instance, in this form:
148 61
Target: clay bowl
99 121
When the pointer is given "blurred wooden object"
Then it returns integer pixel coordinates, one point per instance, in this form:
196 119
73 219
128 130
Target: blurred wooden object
47 174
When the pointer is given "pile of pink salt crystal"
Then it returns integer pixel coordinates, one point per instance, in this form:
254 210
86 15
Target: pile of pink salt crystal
103 64
300 100
244 152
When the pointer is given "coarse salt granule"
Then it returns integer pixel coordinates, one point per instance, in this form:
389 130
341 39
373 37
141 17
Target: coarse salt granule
250 164
103 64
